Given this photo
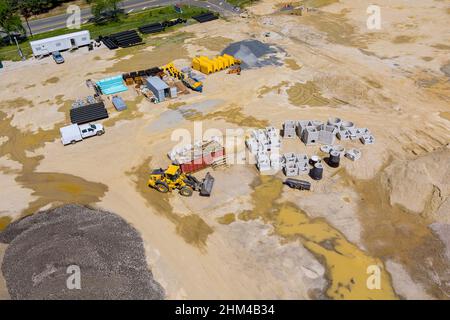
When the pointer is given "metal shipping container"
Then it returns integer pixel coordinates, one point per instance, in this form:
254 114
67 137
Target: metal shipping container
203 162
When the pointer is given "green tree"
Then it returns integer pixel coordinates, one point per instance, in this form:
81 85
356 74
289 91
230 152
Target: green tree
9 19
100 7
27 8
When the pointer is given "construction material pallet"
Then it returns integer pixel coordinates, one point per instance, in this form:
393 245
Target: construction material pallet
109 43
152 28
89 113
205 17
127 38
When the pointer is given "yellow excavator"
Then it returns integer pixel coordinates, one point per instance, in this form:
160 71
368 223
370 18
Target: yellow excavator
172 178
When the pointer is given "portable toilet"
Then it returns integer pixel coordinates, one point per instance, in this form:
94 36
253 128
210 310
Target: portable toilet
173 92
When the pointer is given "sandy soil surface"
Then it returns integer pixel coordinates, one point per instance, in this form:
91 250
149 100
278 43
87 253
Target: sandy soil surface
255 238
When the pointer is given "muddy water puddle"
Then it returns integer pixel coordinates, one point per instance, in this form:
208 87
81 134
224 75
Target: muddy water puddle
292 64
227 218
276 88
4 222
308 94
48 188
445 115
51 80
192 228
390 232
17 103
346 264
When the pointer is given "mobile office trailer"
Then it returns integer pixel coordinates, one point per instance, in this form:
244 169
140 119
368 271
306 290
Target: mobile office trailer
59 43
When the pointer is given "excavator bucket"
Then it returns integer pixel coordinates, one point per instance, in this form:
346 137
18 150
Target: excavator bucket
207 185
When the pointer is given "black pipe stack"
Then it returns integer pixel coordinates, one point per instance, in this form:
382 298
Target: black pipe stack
88 113
126 38
334 159
205 17
152 28
316 172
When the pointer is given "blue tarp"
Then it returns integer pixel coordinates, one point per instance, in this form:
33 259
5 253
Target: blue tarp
112 85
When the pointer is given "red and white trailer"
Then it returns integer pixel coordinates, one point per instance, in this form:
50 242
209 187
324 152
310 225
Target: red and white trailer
200 156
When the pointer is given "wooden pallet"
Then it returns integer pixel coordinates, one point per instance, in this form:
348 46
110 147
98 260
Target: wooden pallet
219 162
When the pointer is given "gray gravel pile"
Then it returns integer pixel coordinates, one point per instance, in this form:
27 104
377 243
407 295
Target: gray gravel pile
109 252
253 53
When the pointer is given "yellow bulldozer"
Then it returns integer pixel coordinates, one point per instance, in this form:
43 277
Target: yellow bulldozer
172 178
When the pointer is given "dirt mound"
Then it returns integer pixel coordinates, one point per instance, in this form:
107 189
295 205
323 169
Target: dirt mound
253 53
108 251
421 185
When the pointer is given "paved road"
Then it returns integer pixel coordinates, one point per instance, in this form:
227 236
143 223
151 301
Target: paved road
59 21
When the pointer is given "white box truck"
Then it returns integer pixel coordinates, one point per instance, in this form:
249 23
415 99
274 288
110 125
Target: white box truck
74 133
46 46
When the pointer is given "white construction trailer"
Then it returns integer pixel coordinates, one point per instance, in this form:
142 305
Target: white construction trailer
59 43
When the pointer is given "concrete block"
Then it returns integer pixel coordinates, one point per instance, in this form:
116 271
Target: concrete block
303 168
302 159
338 148
335 122
343 134
289 157
289 129
346 125
327 134
252 145
310 135
367 139
326 148
263 161
301 126
353 154
291 170
275 161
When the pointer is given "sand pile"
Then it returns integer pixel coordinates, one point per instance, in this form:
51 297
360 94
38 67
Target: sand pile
421 185
254 53
109 252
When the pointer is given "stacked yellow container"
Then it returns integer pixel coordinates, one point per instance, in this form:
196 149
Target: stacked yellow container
207 66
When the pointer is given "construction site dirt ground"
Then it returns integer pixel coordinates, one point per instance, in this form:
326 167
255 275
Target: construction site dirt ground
255 238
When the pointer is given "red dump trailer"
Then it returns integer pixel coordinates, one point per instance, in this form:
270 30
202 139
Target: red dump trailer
202 162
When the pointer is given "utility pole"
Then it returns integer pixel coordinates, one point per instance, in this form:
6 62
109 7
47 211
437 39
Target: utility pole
19 50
